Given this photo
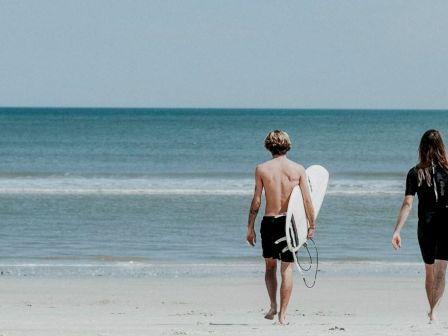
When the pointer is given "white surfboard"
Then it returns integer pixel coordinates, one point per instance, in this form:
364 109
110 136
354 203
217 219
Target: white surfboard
296 222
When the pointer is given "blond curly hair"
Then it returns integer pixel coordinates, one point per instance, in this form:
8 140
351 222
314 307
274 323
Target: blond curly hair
277 142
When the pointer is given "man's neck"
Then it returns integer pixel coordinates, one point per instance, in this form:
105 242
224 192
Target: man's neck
278 156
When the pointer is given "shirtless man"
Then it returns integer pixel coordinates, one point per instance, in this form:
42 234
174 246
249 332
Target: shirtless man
278 177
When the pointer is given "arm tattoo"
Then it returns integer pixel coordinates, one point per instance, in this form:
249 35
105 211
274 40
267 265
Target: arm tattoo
253 211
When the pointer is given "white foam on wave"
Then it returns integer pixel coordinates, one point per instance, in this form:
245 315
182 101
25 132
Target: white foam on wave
105 191
126 186
177 186
365 187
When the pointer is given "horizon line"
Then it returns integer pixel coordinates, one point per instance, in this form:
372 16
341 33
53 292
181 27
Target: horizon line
216 108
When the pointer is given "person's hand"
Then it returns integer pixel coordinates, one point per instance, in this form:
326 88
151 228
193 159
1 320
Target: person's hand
310 233
396 240
251 237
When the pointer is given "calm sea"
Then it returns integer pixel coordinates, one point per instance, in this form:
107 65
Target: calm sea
169 185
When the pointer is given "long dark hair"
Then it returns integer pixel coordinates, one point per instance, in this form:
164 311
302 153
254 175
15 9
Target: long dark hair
431 153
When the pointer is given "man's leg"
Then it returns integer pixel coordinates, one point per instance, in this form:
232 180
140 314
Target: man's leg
285 289
438 288
429 282
270 277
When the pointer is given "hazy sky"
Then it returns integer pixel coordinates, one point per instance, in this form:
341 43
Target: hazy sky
243 53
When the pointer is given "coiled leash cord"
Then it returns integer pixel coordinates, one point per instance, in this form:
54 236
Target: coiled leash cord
303 269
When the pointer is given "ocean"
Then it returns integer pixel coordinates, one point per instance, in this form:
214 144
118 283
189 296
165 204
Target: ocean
82 187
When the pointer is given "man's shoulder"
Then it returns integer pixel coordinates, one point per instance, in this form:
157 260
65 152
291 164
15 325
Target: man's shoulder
261 166
297 165
264 164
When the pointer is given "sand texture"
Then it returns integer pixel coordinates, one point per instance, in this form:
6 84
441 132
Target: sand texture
358 305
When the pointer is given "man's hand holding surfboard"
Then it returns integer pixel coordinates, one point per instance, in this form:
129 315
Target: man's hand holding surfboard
310 233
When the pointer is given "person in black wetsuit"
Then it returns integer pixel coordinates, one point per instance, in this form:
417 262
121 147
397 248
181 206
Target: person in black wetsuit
429 180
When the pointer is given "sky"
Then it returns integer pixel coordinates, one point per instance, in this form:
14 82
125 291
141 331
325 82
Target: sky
226 53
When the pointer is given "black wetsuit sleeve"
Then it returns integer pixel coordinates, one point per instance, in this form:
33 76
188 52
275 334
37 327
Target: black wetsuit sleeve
411 183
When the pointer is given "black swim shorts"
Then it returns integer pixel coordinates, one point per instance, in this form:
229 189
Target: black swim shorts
273 228
433 235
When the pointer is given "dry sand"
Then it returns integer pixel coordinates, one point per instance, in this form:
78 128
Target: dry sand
213 305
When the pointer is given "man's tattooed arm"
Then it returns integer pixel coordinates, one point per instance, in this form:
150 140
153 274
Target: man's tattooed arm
254 211
254 207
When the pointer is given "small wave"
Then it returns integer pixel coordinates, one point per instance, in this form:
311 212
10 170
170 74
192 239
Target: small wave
365 187
86 191
177 186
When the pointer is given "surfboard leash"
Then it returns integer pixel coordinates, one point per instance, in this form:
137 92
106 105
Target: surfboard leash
311 264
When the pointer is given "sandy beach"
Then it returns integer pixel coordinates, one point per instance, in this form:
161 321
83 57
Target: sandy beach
214 305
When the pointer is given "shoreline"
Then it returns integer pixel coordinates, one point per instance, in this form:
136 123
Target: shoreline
119 268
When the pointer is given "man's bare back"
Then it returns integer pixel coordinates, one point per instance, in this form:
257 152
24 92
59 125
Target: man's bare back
279 176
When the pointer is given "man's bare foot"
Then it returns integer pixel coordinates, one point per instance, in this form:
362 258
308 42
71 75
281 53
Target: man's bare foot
282 319
271 313
432 316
